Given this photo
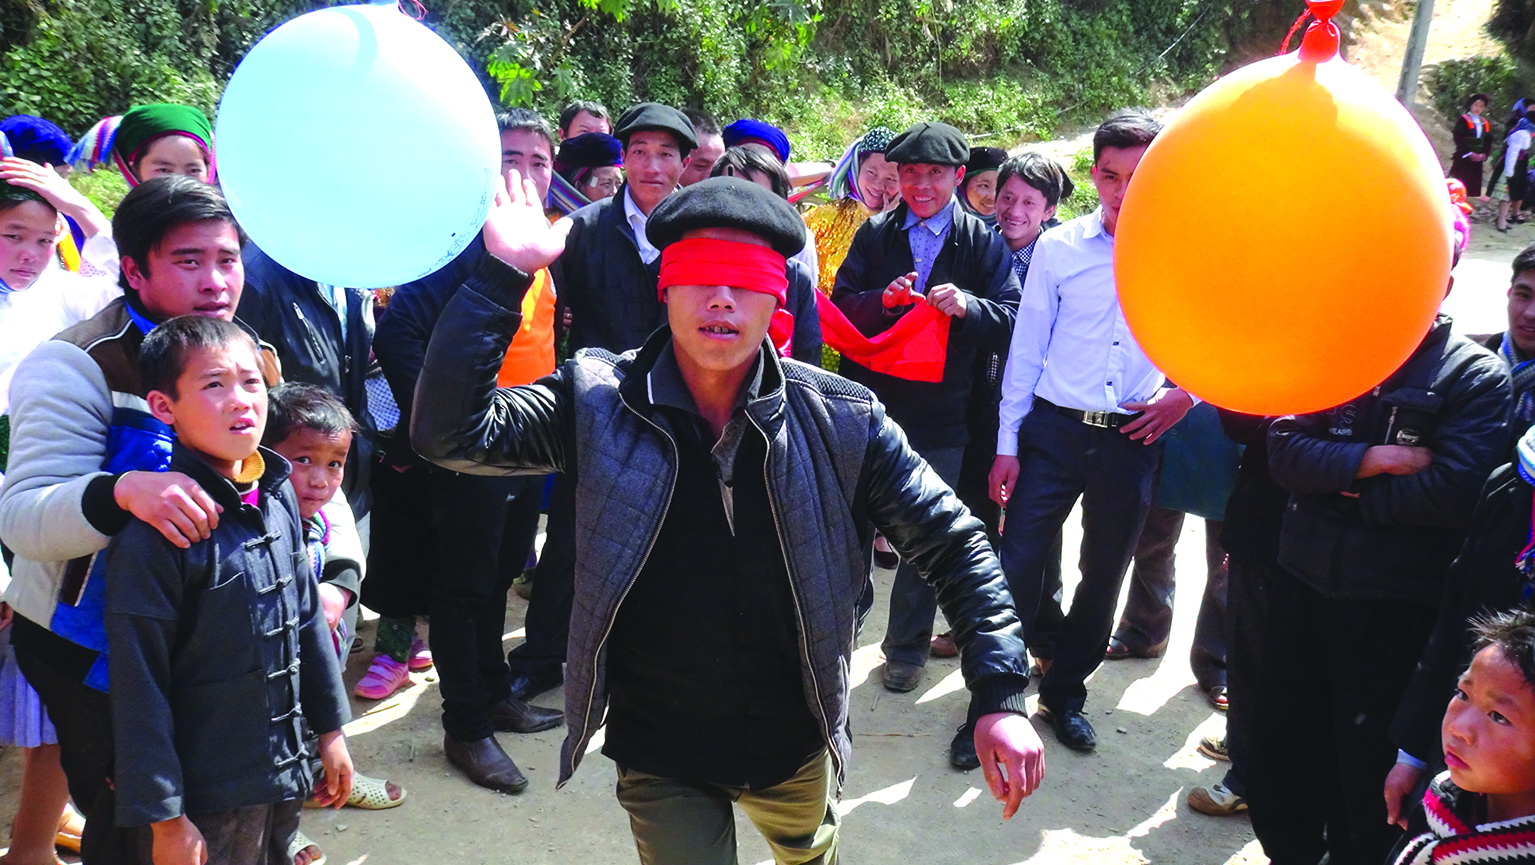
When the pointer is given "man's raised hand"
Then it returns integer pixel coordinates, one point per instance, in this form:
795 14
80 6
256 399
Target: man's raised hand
516 230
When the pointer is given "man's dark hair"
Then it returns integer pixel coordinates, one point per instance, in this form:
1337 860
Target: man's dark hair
568 116
294 406
747 159
1039 171
527 120
1130 128
150 210
1485 99
1524 261
163 355
703 122
1513 632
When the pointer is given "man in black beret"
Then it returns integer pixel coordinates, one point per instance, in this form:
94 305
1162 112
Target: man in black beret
928 251
726 500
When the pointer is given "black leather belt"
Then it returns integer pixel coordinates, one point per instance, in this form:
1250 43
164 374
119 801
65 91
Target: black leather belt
1099 419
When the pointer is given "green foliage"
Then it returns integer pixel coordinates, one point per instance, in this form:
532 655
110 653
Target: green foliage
1003 69
1453 81
105 188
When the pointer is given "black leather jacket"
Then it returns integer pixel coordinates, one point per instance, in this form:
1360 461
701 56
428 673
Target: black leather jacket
286 310
836 467
1395 538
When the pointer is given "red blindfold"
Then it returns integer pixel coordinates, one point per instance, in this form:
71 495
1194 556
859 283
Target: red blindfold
709 261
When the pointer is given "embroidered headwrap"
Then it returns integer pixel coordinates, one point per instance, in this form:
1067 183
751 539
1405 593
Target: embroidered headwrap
844 178
36 139
124 139
749 131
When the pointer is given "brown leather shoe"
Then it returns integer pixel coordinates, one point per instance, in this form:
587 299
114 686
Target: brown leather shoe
943 646
485 764
517 716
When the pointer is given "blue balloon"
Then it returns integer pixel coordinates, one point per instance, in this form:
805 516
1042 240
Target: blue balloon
357 148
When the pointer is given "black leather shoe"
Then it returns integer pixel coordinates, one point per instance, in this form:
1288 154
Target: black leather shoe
485 764
526 686
1074 731
518 716
962 754
902 677
887 559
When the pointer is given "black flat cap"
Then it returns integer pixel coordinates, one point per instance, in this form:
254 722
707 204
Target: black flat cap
727 202
653 116
933 143
985 159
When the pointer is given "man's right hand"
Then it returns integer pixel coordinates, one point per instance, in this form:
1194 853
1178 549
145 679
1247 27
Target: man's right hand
516 230
171 502
177 842
899 292
1400 782
1394 460
1003 477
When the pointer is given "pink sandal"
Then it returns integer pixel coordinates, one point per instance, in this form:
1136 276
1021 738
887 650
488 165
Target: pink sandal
385 676
420 657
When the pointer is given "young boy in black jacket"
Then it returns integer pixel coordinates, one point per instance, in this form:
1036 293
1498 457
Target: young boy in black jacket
220 651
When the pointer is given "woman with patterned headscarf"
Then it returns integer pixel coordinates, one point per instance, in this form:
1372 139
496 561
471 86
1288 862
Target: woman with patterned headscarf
151 141
862 184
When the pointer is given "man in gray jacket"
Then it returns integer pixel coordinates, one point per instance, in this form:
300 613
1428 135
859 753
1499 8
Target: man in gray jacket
724 502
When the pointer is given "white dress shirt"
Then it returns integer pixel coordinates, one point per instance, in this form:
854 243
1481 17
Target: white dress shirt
1071 345
637 220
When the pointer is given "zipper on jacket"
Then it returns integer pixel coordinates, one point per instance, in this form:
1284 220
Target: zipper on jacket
591 694
799 614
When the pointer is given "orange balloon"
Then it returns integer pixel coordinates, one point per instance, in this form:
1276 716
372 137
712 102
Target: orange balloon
1285 242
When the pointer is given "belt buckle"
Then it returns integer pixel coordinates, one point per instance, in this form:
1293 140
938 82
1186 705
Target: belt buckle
1098 419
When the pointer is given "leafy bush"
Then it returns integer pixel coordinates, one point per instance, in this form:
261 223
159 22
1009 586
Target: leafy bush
825 71
1452 81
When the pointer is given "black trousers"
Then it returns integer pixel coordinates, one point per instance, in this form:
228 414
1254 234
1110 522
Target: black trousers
485 528
1330 676
1247 590
248 835
1060 460
82 717
547 624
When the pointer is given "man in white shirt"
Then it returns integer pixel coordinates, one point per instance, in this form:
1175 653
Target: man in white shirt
1081 408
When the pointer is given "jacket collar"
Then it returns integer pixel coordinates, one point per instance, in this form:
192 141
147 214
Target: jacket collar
218 486
766 408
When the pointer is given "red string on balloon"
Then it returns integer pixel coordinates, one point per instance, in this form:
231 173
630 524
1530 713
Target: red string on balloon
420 10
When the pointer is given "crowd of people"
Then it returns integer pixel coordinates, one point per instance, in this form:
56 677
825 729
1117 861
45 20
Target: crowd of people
731 405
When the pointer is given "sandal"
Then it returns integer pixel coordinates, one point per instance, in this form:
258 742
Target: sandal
299 844
368 793
420 657
1118 650
71 827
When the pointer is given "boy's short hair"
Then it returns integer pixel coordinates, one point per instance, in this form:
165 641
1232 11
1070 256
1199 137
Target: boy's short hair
1478 97
1513 632
294 406
1524 261
595 109
1132 127
527 120
747 159
703 122
163 355
150 210
1039 171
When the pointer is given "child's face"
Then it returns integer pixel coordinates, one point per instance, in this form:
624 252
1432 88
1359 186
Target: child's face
219 409
27 239
319 465
1489 728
